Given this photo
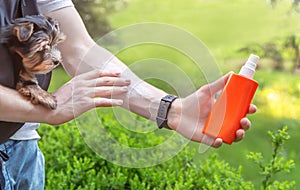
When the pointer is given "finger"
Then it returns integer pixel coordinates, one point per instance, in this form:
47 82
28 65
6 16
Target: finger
109 74
106 91
89 75
219 84
210 141
239 135
245 123
217 143
97 73
252 109
108 81
105 102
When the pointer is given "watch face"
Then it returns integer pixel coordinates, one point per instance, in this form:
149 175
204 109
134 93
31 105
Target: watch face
169 98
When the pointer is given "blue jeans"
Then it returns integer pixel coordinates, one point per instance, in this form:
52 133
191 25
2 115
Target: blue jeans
24 168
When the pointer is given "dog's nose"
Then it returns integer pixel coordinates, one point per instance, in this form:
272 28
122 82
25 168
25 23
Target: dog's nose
56 62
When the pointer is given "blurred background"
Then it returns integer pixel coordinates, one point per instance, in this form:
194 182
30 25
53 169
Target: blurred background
231 30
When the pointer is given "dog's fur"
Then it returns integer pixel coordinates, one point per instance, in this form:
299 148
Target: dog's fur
34 39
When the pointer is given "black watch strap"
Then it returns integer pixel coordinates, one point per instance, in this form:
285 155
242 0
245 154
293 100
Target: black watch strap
163 110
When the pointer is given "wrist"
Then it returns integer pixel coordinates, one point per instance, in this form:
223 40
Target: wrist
43 114
174 114
163 111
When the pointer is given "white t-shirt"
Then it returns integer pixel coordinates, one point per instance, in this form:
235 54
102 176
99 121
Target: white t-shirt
28 130
46 6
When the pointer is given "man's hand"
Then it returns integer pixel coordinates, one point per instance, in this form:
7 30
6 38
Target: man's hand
87 91
188 116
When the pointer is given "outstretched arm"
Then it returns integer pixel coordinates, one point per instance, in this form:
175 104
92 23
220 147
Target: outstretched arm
187 115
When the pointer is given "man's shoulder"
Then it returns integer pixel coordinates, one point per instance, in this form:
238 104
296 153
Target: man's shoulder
46 6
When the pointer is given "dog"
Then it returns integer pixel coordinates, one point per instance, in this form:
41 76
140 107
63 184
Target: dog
35 39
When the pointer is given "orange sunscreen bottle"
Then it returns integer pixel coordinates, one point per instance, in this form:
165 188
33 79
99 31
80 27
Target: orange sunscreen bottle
233 103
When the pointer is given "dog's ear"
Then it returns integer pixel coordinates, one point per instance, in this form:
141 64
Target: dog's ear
23 31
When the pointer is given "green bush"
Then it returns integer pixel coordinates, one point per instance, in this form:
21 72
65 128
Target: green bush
277 164
70 164
95 11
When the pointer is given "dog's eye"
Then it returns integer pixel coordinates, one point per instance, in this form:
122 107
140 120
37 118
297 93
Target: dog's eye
43 45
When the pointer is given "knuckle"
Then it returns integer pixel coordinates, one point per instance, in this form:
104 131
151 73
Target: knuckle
106 80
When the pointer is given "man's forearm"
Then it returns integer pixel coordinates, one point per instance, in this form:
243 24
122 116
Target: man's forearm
142 98
16 108
81 54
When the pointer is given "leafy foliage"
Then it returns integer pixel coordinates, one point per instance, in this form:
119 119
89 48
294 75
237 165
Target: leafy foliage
285 48
70 164
277 163
294 7
95 14
283 52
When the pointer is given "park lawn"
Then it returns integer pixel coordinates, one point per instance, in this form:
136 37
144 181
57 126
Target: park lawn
222 25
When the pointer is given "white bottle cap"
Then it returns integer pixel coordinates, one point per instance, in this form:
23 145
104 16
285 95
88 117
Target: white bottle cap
248 69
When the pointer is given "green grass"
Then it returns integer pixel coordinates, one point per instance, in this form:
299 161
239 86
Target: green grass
221 24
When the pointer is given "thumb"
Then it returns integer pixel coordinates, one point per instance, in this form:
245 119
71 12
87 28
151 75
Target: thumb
219 84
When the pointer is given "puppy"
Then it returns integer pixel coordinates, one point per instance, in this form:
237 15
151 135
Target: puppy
34 39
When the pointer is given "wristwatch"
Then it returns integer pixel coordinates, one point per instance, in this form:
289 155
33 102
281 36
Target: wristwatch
163 110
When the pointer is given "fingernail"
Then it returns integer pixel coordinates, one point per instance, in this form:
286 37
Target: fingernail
117 73
125 89
119 102
128 81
